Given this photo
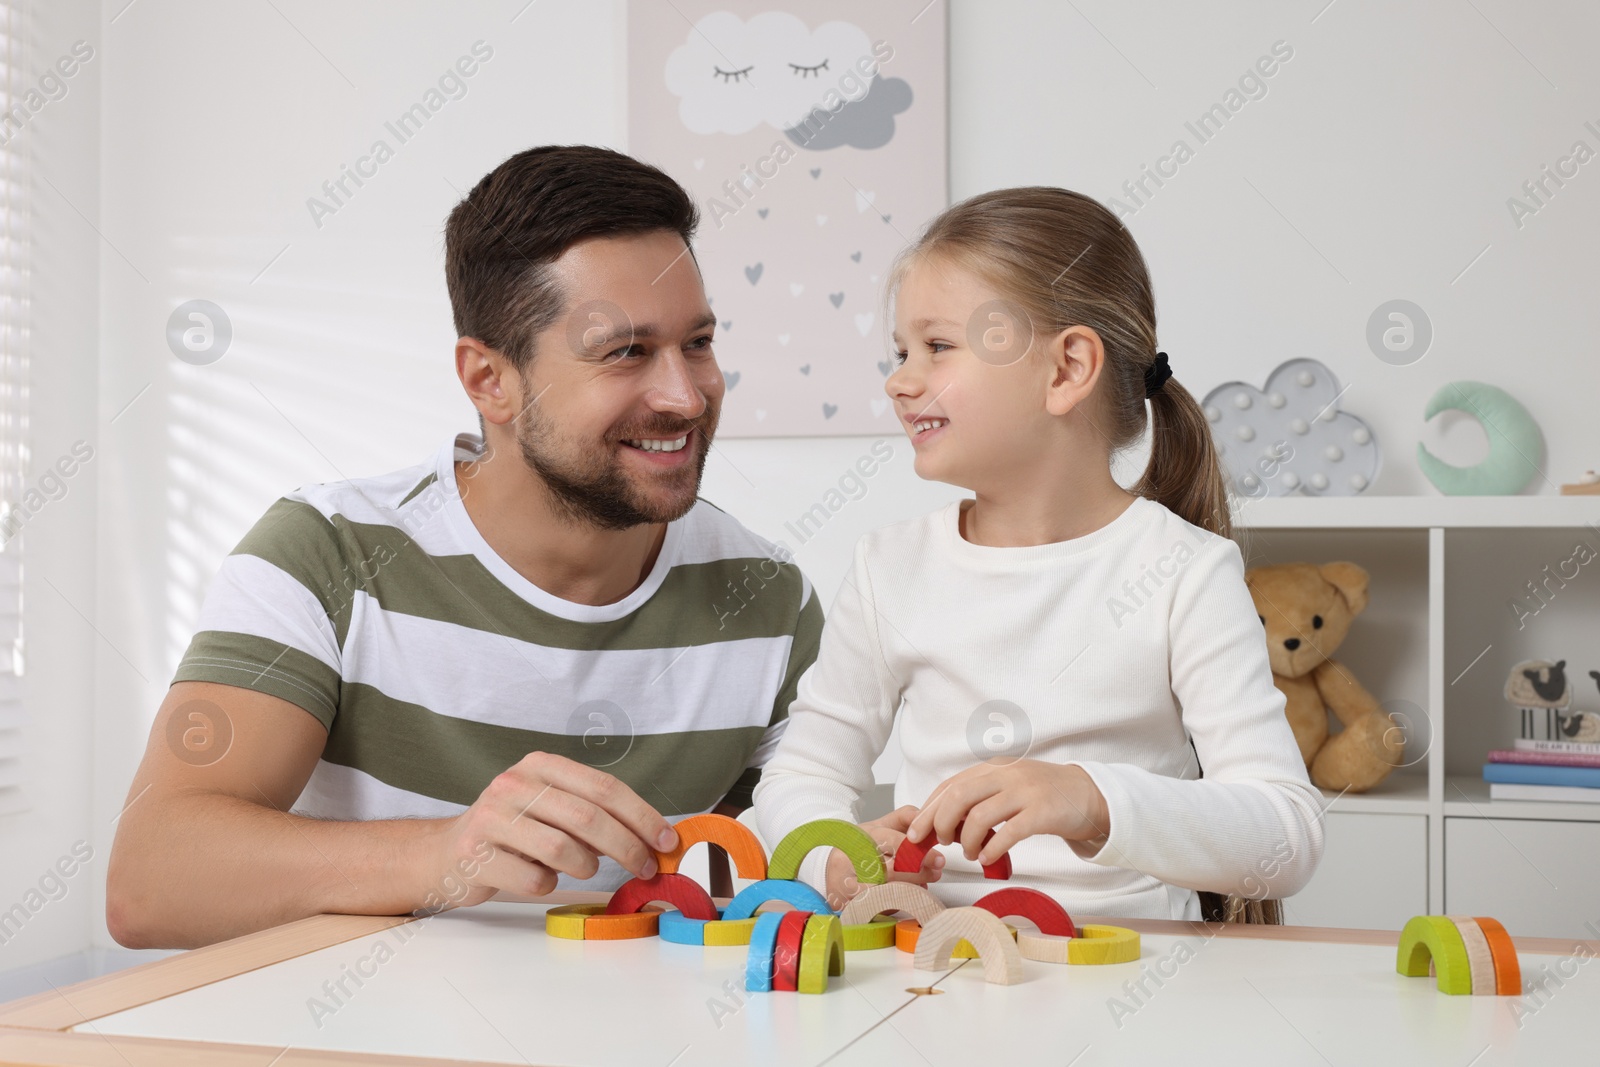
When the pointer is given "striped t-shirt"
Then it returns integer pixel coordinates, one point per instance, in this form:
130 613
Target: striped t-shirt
377 606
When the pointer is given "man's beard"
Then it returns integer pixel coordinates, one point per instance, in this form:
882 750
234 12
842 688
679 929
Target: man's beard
598 492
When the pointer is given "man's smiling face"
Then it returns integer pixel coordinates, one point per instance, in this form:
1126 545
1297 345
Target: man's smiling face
623 394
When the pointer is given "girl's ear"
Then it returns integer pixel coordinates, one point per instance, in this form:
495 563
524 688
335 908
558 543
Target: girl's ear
1074 358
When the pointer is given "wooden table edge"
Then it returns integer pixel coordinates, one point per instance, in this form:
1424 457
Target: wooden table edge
24 1047
61 1009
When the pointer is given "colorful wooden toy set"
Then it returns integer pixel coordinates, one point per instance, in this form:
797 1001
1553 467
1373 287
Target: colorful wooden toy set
1468 955
799 948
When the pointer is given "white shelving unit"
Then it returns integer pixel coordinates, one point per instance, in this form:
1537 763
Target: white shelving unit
1436 642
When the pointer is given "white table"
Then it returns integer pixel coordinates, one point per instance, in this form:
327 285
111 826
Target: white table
487 984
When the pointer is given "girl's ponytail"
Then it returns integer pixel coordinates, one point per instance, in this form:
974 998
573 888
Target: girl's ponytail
1184 472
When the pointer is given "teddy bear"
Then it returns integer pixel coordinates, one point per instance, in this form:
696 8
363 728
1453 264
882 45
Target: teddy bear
1306 611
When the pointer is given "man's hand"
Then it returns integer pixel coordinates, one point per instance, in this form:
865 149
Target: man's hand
545 816
1027 796
888 832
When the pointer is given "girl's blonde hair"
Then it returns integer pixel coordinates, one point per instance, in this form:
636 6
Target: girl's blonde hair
1062 259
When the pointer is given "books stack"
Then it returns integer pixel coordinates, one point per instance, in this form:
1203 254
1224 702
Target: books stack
1545 770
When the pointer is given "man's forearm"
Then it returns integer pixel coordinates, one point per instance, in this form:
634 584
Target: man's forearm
194 869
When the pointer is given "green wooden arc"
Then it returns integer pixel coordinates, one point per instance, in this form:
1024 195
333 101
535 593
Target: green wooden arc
1435 937
847 837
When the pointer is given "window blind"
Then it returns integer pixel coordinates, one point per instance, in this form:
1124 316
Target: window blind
15 224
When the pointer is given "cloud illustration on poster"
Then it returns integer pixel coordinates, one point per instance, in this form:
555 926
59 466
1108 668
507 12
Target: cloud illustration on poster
817 86
864 123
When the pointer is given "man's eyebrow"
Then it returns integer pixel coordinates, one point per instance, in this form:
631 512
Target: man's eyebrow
647 331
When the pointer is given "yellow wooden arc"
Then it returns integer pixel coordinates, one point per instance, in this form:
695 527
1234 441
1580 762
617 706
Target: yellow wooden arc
1097 945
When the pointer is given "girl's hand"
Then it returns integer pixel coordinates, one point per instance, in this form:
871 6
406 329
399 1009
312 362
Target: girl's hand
1028 796
888 832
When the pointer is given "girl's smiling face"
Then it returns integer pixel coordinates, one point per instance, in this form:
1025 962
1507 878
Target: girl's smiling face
965 391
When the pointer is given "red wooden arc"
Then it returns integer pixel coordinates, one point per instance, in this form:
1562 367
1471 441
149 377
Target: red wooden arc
786 953
1045 911
908 857
679 890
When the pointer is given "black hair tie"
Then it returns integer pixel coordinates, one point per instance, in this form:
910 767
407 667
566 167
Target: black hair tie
1156 375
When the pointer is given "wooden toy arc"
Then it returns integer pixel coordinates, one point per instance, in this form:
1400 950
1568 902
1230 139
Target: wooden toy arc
1044 910
889 897
731 835
679 890
1002 963
847 837
908 857
1466 955
796 894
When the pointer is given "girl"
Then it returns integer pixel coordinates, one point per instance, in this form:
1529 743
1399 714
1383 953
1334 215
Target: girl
1067 658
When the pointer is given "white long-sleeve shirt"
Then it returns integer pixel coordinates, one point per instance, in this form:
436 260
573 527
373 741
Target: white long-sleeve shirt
1111 651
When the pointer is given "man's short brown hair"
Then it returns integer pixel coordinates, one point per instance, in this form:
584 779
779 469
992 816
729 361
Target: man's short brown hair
500 240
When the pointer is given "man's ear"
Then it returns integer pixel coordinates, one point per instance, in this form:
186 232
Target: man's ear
491 382
1074 358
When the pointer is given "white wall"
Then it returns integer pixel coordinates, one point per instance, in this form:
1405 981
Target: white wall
59 540
1377 166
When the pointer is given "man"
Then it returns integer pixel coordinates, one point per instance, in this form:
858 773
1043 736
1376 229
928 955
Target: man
504 669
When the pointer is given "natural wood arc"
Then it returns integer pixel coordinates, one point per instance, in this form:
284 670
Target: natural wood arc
1002 963
889 897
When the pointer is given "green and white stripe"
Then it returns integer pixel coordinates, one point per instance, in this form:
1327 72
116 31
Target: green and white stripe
376 606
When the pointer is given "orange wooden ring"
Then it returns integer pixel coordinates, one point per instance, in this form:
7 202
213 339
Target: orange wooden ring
589 922
603 927
1507 971
730 835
